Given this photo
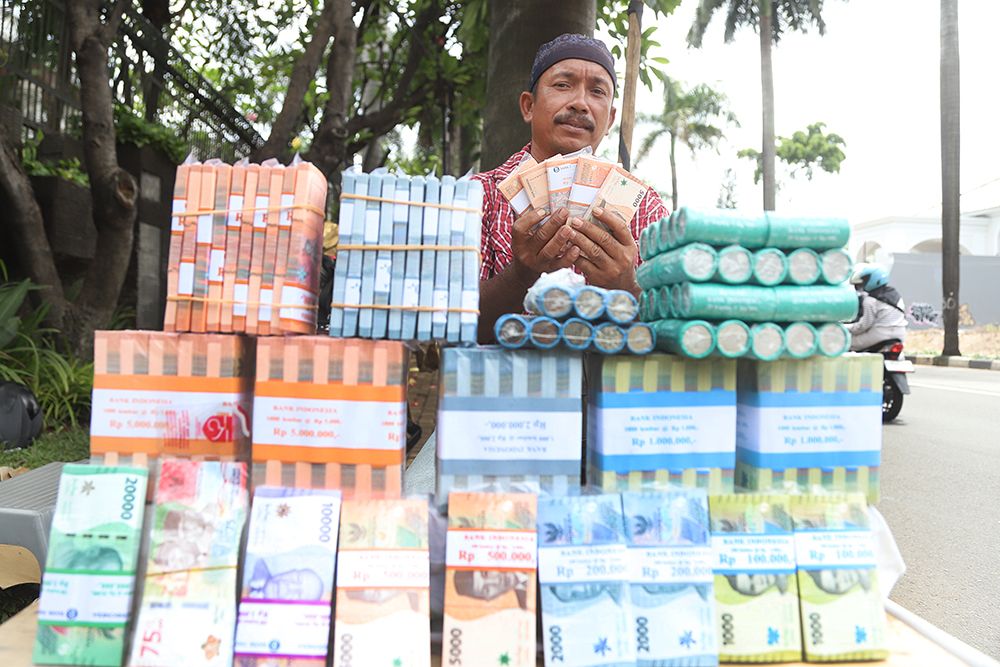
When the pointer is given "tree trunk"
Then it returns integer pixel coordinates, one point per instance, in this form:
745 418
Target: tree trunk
303 72
767 89
517 29
114 191
950 191
673 171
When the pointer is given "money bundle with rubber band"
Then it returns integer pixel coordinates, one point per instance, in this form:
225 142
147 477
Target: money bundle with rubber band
813 423
659 419
245 248
489 594
86 595
330 413
383 584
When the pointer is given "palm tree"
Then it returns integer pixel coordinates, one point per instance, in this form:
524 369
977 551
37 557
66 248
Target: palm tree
949 174
770 18
687 117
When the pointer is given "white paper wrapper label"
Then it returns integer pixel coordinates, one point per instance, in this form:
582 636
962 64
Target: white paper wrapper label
492 549
825 549
390 568
498 436
283 629
670 565
83 599
736 553
583 564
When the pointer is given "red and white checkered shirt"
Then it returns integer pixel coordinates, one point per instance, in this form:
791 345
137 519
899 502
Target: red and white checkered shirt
498 217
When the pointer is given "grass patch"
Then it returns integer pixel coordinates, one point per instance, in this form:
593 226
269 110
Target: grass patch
68 444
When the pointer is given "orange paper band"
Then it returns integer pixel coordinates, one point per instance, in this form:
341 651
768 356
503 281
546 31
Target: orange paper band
412 203
246 303
230 385
378 458
329 392
220 211
101 444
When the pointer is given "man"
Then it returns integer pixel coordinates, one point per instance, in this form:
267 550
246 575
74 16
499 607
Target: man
569 104
882 312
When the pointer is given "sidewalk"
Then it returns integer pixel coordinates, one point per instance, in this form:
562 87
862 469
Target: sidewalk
954 362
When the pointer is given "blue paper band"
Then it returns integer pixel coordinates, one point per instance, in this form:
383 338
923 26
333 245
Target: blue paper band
509 404
812 399
665 399
625 463
784 461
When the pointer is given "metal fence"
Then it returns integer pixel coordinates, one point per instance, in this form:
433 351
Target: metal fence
39 84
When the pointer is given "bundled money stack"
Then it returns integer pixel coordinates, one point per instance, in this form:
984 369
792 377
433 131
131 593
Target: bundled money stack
756 595
383 584
810 424
91 564
842 614
291 552
408 262
583 572
245 245
734 284
489 593
658 419
670 561
162 394
509 420
187 613
330 413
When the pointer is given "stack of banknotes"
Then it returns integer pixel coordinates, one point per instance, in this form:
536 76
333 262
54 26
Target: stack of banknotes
91 564
187 613
408 260
245 248
709 272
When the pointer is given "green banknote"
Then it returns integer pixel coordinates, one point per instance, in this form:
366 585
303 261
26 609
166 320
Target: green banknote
756 596
583 573
90 568
187 615
843 619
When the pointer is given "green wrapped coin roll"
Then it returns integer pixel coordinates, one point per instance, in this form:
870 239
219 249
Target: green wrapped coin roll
836 266
675 302
818 233
694 262
770 266
735 265
644 252
722 302
666 239
692 338
721 227
803 267
801 340
815 303
732 338
833 339
665 303
644 305
767 341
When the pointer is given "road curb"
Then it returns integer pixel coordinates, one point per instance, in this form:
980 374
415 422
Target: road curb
955 362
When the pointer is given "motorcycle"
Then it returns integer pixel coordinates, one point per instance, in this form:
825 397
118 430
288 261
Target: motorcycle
894 382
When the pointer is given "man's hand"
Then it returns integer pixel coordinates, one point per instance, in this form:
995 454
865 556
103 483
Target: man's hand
545 249
606 258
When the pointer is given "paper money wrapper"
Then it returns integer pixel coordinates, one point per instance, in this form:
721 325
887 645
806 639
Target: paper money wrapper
843 619
291 553
756 596
330 413
583 573
810 424
383 585
489 595
187 614
670 561
658 419
90 567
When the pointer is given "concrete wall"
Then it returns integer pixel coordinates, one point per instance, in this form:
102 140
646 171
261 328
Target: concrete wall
918 279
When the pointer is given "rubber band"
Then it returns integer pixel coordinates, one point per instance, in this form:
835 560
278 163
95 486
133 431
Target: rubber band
202 299
195 214
412 203
429 309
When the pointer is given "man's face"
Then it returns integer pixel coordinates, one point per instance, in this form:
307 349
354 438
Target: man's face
838 581
491 583
754 584
570 108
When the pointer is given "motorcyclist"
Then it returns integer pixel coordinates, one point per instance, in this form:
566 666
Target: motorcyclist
882 312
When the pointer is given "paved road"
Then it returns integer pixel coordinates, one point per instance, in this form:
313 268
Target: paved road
941 497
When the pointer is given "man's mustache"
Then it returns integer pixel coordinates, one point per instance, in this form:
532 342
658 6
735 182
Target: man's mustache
575 119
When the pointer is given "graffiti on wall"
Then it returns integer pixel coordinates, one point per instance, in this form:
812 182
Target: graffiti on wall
923 314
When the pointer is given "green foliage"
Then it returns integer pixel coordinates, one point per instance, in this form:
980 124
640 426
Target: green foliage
688 116
613 16
71 170
131 129
727 192
16 598
70 444
786 15
805 151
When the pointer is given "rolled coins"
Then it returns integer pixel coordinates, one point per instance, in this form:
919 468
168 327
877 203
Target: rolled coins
692 338
647 247
803 267
511 330
695 262
735 265
767 341
835 266
815 303
622 307
609 338
665 304
721 227
732 338
543 332
833 339
589 302
640 338
667 238
576 333
801 340
556 301
770 266
720 302
818 233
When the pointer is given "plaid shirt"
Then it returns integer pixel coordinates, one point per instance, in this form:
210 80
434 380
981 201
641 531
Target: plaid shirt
498 217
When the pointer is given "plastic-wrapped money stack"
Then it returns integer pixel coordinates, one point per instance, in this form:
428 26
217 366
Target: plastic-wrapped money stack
170 395
330 413
90 568
245 248
489 592
734 284
509 420
670 560
810 424
756 595
583 572
659 419
408 261
187 613
383 584
291 553
843 619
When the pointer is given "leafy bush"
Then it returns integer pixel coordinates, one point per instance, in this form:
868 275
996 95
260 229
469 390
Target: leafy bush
131 129
71 170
